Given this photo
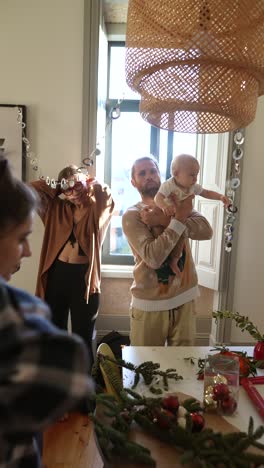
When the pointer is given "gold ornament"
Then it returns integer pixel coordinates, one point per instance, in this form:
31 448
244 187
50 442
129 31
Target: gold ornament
220 379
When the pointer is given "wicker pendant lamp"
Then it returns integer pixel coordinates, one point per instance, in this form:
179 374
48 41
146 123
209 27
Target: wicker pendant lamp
197 64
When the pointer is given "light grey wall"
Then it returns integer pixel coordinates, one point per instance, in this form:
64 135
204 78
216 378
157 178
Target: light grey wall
41 51
249 275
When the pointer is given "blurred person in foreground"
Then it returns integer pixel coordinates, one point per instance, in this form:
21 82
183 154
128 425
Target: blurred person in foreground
43 370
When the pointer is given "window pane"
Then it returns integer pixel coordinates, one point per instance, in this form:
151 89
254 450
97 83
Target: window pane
163 149
184 143
118 88
130 140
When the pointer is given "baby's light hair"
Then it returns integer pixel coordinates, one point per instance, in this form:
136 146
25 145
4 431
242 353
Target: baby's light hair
180 160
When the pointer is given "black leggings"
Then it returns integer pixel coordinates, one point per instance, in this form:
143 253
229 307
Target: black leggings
65 293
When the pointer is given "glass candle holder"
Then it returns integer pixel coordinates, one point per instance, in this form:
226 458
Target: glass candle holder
221 383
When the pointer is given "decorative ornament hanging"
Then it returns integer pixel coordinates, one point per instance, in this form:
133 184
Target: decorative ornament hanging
233 185
87 161
115 112
197 64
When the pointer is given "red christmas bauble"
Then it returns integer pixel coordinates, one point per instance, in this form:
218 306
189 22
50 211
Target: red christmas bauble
200 376
198 422
228 405
171 403
259 352
220 391
164 418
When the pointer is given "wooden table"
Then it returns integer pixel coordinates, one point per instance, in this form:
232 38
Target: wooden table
71 444
174 357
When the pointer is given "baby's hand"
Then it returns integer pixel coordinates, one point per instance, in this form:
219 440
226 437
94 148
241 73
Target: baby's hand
226 201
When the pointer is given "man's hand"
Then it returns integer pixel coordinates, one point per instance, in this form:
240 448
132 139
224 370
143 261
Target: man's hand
154 216
169 210
184 209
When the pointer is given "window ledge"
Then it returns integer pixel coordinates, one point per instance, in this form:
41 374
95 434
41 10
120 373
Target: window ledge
117 271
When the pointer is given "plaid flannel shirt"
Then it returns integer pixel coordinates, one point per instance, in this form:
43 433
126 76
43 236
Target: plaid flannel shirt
43 374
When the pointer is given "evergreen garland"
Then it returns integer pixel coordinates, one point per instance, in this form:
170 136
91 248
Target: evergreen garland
241 321
206 449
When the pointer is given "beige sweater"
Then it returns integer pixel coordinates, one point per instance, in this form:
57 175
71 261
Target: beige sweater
150 253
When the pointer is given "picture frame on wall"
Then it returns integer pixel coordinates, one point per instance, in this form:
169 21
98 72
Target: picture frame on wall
11 137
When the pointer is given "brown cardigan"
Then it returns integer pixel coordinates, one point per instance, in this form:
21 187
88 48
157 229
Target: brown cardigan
57 217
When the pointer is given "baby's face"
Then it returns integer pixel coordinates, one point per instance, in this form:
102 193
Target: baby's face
186 174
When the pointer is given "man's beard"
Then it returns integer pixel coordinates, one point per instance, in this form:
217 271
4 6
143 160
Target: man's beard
149 191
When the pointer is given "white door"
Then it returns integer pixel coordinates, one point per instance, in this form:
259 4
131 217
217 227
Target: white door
212 154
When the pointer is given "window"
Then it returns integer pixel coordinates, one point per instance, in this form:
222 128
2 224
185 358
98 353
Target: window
127 138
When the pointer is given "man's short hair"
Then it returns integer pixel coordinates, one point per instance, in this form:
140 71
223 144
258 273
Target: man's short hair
144 158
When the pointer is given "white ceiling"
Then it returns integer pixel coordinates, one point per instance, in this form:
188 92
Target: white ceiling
115 11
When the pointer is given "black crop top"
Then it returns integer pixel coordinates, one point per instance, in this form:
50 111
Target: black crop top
72 240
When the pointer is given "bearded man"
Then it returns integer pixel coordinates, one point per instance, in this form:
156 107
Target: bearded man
158 316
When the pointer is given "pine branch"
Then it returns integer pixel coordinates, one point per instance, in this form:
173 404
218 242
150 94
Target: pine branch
241 321
114 442
149 371
205 449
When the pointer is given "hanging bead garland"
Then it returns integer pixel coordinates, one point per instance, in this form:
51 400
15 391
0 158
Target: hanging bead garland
30 155
114 114
233 185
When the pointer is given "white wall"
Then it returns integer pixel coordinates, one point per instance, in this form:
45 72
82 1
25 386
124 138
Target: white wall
249 277
41 62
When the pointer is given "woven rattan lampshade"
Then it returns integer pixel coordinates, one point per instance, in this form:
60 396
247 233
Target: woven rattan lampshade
197 64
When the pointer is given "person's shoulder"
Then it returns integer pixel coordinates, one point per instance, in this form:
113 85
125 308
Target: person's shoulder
170 180
167 182
134 208
26 301
131 214
22 295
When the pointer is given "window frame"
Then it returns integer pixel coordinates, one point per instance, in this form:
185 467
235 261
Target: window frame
126 105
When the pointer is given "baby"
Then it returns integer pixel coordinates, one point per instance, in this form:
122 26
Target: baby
184 169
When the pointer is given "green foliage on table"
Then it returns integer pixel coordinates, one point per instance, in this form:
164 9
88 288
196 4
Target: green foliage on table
205 449
241 321
149 371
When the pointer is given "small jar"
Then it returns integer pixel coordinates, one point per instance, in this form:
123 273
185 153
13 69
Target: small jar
221 383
